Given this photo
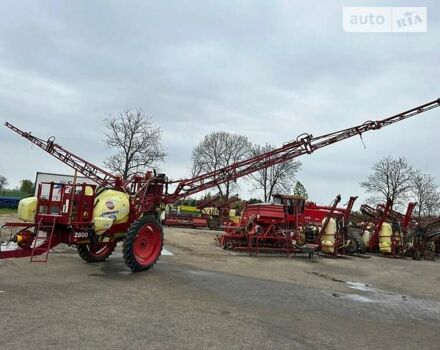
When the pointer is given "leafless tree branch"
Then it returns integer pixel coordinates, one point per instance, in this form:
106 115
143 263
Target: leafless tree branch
391 178
136 140
426 193
276 178
218 150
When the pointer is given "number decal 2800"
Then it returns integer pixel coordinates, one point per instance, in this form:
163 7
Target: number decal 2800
80 235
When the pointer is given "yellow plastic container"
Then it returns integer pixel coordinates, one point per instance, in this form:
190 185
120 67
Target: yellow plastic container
385 234
27 209
102 224
329 237
188 209
112 204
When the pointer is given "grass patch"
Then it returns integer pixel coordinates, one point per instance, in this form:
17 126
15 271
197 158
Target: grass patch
13 193
8 212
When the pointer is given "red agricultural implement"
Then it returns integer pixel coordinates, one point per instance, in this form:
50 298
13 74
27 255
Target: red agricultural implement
335 236
386 230
212 214
175 219
291 226
424 240
95 218
216 210
268 228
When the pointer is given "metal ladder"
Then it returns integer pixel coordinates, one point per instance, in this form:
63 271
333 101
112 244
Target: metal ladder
38 238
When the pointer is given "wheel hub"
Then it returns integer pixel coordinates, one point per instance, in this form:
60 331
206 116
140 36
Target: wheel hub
147 244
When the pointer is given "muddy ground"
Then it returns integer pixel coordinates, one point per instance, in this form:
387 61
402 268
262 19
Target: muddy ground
203 297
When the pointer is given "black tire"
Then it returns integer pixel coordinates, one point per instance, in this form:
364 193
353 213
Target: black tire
416 255
362 248
88 256
352 247
128 249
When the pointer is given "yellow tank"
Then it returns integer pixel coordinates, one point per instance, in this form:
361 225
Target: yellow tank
235 219
27 209
110 204
102 224
88 191
111 207
188 209
233 216
329 237
385 234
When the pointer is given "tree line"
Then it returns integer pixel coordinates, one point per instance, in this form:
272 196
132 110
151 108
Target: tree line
136 142
399 181
26 186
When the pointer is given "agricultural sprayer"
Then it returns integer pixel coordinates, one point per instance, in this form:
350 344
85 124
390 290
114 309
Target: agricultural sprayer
95 218
385 229
395 234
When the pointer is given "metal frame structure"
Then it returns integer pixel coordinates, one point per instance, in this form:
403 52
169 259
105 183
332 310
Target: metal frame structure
142 233
222 205
383 213
283 227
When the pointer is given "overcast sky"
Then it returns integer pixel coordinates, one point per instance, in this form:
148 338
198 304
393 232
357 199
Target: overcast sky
270 70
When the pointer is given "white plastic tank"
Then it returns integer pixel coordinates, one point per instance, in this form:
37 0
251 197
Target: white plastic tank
366 235
329 237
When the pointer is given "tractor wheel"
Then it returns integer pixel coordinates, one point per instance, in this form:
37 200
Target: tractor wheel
97 253
417 255
362 248
352 247
143 243
357 244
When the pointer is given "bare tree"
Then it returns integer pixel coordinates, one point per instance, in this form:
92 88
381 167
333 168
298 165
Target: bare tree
426 193
391 178
136 140
276 178
218 150
3 182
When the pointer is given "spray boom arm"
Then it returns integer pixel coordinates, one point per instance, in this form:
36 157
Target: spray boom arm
304 144
100 176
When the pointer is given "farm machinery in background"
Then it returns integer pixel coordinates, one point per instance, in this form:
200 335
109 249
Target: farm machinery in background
290 225
385 230
424 240
217 210
395 234
208 213
421 238
328 226
95 218
183 216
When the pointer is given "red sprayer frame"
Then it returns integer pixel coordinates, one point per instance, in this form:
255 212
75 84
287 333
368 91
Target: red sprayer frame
149 191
